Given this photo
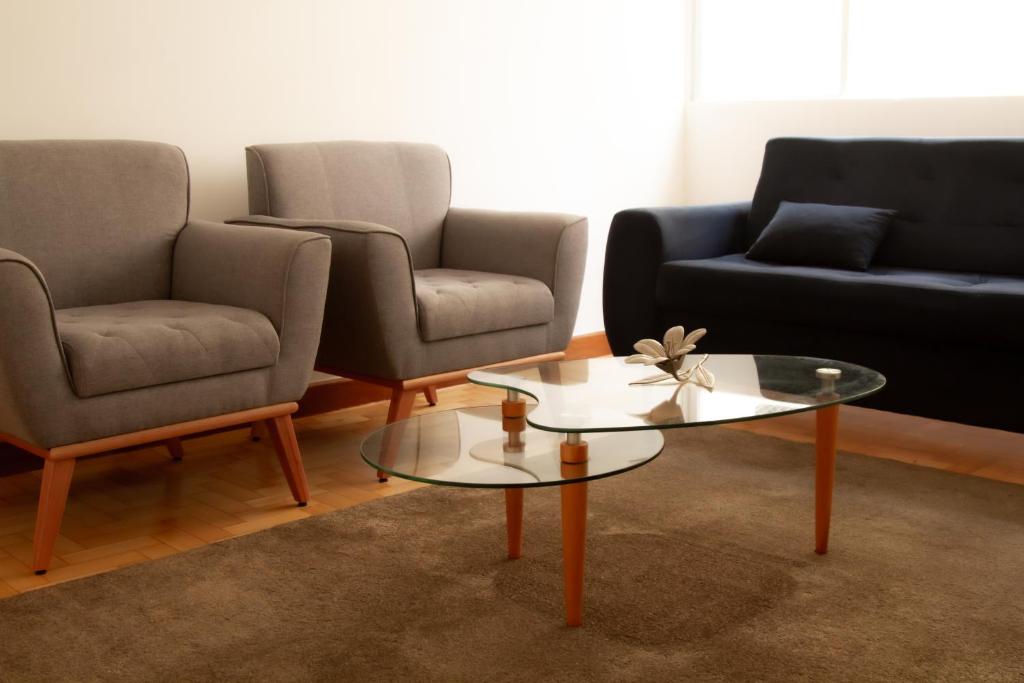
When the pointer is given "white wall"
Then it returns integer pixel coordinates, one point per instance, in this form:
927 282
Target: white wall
563 105
724 141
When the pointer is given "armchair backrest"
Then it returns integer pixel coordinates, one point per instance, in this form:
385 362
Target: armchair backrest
405 186
98 217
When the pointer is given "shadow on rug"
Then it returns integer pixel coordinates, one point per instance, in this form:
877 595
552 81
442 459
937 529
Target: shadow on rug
700 566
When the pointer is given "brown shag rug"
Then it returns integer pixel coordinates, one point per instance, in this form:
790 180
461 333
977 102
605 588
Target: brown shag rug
700 567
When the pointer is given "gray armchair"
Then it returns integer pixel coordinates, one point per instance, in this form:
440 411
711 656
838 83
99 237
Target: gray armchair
420 292
125 323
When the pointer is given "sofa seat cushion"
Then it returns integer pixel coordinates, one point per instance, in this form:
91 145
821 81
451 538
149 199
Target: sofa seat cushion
459 303
145 343
974 309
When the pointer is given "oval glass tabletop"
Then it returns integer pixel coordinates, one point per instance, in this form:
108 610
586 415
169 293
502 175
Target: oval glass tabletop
597 395
467 447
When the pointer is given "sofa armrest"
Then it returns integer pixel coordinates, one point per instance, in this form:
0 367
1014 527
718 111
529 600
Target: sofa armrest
550 247
280 273
639 241
370 323
34 380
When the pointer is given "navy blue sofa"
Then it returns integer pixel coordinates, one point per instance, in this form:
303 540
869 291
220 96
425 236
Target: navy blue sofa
940 311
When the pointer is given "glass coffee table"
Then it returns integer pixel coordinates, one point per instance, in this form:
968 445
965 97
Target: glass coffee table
515 447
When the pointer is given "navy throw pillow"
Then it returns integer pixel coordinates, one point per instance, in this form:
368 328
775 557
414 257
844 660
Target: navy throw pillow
822 235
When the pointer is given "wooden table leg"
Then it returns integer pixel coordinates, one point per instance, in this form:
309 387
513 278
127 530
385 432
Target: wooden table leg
574 539
514 522
825 474
513 422
574 527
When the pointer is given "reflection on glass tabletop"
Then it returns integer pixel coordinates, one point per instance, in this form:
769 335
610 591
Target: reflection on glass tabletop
595 395
467 447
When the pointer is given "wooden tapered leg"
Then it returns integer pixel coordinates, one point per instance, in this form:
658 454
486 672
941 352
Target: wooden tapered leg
514 522
282 433
513 422
401 404
430 393
825 474
574 530
574 538
53 497
175 449
399 409
258 432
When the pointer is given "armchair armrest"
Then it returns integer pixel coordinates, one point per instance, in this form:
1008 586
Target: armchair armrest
280 273
315 223
34 380
370 324
639 241
550 247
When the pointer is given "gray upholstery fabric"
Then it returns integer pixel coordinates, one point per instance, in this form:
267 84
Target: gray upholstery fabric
97 217
280 274
371 326
457 303
144 343
371 264
405 186
32 367
550 247
385 208
346 226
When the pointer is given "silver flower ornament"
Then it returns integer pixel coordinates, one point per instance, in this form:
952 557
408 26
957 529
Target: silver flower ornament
670 355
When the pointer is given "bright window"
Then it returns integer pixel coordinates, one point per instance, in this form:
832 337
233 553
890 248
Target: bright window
937 48
788 49
755 49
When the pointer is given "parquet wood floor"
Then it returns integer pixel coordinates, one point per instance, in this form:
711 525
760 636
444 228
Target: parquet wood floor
139 505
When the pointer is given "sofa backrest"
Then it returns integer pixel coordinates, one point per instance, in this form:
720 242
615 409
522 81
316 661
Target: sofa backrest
405 186
98 217
960 202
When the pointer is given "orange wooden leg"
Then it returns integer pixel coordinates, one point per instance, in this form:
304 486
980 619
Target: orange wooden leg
53 497
401 404
175 449
513 423
574 529
282 433
514 522
399 409
825 474
430 393
259 431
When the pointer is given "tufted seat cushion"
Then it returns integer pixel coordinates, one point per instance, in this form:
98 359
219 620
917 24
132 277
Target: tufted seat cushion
145 343
458 303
